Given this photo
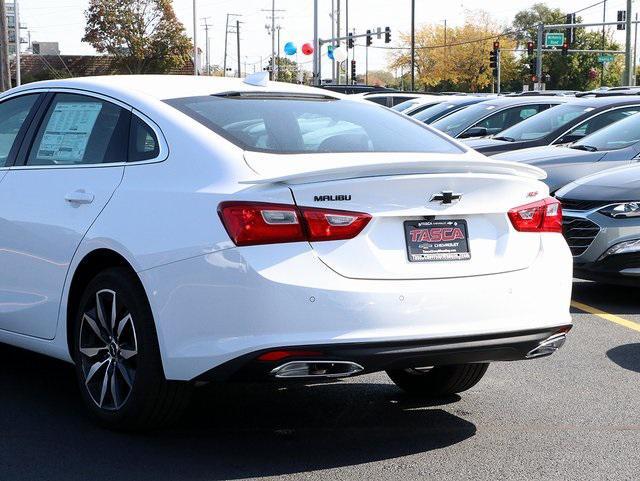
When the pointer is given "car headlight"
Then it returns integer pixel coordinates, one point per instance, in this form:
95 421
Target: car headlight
622 248
622 211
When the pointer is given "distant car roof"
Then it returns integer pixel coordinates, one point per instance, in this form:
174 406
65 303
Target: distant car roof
597 102
534 99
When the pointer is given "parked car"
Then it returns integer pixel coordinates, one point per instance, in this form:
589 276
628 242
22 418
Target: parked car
451 105
538 93
493 116
386 99
415 105
612 146
349 89
160 231
602 225
563 124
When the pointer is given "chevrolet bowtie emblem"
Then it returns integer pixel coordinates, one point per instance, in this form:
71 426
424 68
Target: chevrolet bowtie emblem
445 197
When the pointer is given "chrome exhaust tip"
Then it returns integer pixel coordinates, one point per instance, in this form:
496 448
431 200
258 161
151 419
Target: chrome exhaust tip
548 346
316 369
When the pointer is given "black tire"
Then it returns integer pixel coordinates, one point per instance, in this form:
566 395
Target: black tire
137 396
438 381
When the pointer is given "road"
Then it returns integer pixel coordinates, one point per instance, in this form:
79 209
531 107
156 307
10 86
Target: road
575 415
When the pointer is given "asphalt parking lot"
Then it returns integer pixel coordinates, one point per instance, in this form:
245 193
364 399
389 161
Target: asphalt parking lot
575 415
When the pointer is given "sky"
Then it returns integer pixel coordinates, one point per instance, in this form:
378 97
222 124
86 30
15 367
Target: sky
63 21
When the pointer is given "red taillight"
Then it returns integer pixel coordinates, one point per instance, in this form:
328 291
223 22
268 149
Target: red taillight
324 224
254 223
540 216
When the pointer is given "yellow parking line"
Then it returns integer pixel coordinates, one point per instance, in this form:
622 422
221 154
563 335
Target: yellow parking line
605 315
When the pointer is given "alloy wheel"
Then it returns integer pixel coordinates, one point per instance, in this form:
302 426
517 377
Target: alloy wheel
108 350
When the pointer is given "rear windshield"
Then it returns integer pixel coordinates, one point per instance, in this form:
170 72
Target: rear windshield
543 123
307 125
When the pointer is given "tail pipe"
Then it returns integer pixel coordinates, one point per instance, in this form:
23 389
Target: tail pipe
316 369
548 346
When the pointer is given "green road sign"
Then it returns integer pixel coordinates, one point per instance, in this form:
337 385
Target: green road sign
554 39
605 58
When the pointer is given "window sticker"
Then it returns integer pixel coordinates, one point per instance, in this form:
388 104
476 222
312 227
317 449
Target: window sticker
67 133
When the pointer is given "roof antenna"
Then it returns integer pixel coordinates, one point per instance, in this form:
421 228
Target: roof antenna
259 79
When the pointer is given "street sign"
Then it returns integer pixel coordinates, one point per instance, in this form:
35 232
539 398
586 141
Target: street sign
605 58
554 39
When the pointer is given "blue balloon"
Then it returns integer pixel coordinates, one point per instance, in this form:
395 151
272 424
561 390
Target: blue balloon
290 48
330 52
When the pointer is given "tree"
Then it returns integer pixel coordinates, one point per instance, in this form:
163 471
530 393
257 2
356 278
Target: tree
145 35
463 63
378 78
572 71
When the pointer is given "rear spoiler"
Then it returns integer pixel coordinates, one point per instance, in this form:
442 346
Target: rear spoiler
359 170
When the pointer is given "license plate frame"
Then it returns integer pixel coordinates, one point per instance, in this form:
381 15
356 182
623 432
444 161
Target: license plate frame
437 240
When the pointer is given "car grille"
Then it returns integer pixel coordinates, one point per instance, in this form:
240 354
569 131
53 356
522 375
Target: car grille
579 233
571 204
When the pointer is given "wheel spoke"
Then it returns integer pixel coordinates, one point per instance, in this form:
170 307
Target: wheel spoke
94 327
94 369
102 317
105 384
125 374
92 351
114 391
113 314
128 353
122 324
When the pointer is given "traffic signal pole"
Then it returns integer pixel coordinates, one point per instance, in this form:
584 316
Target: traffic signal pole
498 76
628 57
539 54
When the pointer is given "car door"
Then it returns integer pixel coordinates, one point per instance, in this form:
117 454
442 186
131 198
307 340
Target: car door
65 173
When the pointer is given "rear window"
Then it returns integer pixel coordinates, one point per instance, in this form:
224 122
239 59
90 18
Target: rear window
544 123
308 125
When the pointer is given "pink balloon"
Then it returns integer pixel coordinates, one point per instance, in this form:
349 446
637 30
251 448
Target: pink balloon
307 49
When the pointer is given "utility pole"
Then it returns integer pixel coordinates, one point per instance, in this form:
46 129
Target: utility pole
338 35
316 46
628 58
272 32
539 53
278 28
333 35
226 42
207 55
346 31
238 45
604 38
5 72
16 16
195 39
413 44
635 50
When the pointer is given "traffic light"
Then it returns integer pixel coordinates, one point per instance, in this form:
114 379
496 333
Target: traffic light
496 46
353 70
350 41
493 58
547 78
569 33
369 40
533 65
622 17
565 48
387 35
530 49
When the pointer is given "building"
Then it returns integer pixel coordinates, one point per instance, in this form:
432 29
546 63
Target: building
45 48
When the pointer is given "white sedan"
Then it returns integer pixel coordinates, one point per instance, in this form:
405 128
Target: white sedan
162 231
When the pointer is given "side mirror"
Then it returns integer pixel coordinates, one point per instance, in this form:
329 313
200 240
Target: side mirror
569 139
474 132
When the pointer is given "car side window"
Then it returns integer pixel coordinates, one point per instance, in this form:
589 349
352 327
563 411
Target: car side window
602 120
13 113
508 117
81 130
143 142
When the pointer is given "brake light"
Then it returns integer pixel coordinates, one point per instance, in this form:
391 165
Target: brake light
254 223
540 216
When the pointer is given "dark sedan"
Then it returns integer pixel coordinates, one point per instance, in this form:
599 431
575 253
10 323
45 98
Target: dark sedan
612 146
493 116
562 124
438 111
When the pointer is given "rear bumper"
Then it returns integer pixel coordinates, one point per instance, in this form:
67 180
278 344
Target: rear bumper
380 356
213 309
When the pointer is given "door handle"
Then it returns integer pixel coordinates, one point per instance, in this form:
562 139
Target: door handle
79 197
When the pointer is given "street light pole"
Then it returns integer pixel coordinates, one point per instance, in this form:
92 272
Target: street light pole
413 44
628 58
195 39
316 45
